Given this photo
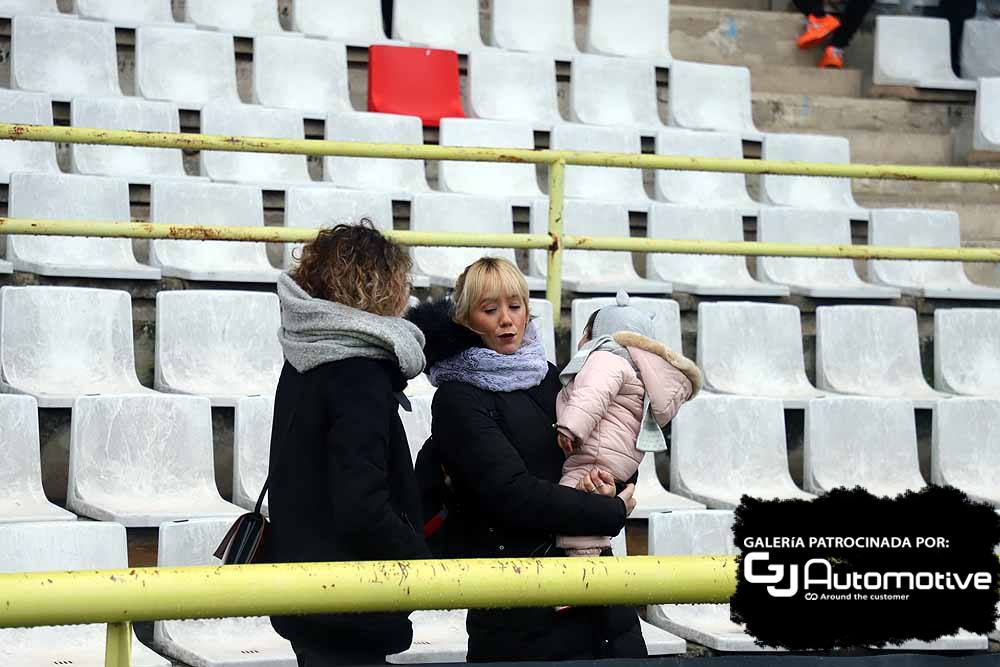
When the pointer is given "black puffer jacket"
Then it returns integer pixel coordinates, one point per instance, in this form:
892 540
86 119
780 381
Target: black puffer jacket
342 488
500 451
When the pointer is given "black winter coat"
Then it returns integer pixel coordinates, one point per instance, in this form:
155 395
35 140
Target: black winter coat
499 448
342 488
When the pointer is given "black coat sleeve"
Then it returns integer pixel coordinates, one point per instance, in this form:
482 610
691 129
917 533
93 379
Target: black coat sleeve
357 449
478 455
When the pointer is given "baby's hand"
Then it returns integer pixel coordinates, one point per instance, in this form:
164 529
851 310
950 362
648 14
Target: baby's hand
565 443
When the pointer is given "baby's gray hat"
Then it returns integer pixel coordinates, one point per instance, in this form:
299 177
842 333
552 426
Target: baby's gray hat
622 317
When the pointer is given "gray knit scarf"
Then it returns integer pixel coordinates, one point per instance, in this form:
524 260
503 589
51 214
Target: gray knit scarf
316 331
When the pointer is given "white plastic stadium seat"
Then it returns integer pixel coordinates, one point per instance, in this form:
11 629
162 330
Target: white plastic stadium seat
188 67
439 636
210 205
725 447
541 27
21 495
711 97
247 18
217 642
251 449
614 91
126 13
603 183
925 229
58 343
308 75
595 271
137 164
11 8
754 349
435 212
809 191
708 533
270 170
915 51
37 156
417 422
867 442
981 49
439 24
515 181
703 188
514 86
871 351
649 493
817 277
965 447
142 460
710 275
639 29
222 344
63 57
6 267
67 197
541 314
401 178
967 351
351 22
986 136
49 547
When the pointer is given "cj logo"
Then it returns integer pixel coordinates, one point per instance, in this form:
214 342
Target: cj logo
775 574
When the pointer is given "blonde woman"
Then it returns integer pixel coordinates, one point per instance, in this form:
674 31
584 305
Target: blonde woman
341 481
492 429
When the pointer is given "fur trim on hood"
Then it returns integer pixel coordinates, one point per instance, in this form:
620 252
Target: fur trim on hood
675 359
443 337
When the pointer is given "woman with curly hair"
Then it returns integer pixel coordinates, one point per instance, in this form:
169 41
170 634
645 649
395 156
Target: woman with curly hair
341 480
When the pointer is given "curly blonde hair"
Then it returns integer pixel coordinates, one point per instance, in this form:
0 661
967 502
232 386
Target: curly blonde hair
486 279
356 266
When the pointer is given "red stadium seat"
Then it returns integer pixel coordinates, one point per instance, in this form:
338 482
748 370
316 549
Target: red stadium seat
414 82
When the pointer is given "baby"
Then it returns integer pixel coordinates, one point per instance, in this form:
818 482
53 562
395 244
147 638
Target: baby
620 388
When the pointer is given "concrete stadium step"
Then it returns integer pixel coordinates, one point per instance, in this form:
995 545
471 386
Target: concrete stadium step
755 5
806 80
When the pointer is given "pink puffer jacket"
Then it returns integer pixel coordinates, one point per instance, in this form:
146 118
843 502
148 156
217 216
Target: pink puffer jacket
602 406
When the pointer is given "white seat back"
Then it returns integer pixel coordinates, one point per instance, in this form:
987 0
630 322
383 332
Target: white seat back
126 113
488 178
514 86
965 449
247 120
189 67
352 22
37 156
838 446
807 191
543 27
702 188
247 18
441 24
251 449
541 314
666 316
614 91
218 343
126 13
379 174
210 205
63 57
309 75
698 533
967 351
986 136
639 29
11 8
328 207
981 49
604 183
915 51
417 422
711 97
66 197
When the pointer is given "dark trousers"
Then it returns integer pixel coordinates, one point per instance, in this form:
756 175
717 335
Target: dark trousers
956 11
387 17
850 20
309 656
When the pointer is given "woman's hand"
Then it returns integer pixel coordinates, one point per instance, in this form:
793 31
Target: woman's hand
627 497
598 481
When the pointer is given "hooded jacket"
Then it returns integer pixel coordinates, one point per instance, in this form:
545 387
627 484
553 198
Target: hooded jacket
602 406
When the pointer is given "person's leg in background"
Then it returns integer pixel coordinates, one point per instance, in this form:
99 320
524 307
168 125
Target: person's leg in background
819 24
387 17
850 21
956 11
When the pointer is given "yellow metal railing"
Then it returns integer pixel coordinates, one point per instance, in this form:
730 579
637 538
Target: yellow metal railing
555 242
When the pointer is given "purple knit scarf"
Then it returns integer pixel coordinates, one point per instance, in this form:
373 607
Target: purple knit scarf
482 367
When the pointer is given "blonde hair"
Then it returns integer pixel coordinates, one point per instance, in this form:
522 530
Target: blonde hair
486 279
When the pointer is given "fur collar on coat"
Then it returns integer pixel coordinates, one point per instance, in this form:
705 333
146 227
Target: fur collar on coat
443 338
675 359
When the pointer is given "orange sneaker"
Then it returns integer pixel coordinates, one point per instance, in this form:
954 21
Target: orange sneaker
817 29
832 58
